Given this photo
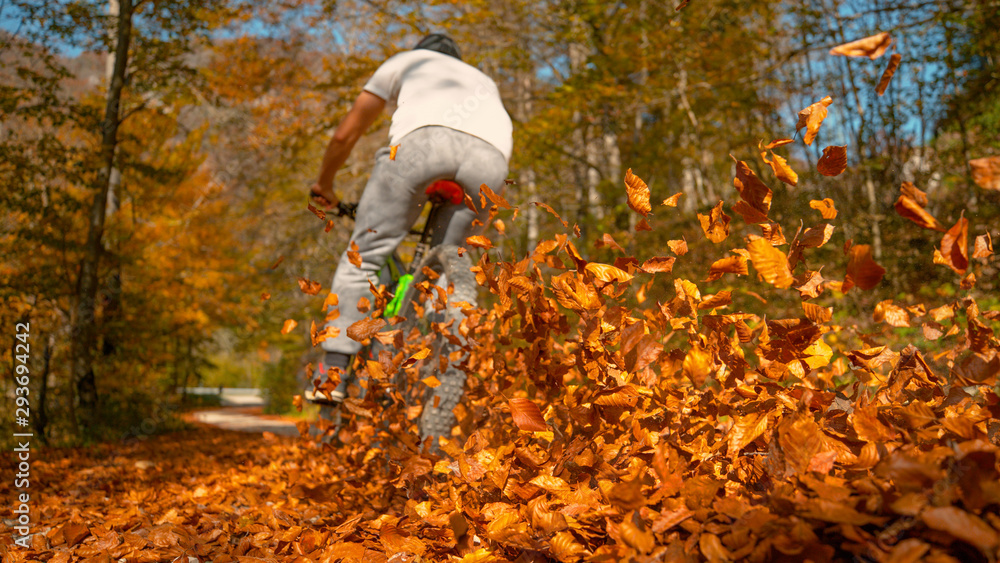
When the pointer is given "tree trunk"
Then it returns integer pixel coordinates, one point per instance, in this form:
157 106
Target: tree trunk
84 328
41 421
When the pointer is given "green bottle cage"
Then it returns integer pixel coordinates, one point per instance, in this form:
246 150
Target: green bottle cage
392 309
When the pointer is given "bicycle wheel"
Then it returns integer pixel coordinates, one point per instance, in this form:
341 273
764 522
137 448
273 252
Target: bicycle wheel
436 315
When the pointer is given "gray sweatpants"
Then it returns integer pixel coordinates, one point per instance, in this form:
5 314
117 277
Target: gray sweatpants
392 201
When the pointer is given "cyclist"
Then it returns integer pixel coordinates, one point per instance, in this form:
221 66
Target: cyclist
448 123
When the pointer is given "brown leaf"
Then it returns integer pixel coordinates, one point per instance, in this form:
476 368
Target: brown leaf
672 200
277 262
815 237
607 273
746 429
526 415
833 161
983 247
638 193
609 241
872 47
954 251
770 263
986 172
317 212
353 256
816 313
893 315
679 247
728 265
914 193
825 207
862 271
309 287
812 117
910 209
365 328
753 192
962 525
715 224
698 365
662 264
890 70
479 241
782 170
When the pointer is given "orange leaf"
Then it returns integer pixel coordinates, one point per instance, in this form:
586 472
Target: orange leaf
495 198
872 47
265 296
678 247
833 161
914 193
782 170
642 225
770 262
479 241
986 172
862 271
728 265
552 211
753 192
663 264
962 525
893 315
715 224
353 256
638 193
289 326
983 246
431 381
698 364
816 313
812 117
317 212
607 273
907 208
672 200
954 251
279 261
309 287
609 241
890 70
365 328
526 415
392 152
825 207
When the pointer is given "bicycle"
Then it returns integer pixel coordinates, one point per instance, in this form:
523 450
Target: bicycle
445 267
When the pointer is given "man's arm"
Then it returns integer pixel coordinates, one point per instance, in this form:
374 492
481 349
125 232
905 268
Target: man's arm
362 114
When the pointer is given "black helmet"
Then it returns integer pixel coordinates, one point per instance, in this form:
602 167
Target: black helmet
440 43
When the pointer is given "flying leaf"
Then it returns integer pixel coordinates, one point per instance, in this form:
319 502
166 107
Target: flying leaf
638 193
310 287
833 161
983 247
353 256
642 225
672 200
698 364
954 251
392 152
661 264
986 172
551 211
812 117
479 241
365 328
891 314
526 415
607 273
782 170
771 263
495 198
728 265
872 47
755 195
431 381
910 209
862 271
715 224
678 247
317 212
914 193
278 261
825 207
890 70
289 326
609 241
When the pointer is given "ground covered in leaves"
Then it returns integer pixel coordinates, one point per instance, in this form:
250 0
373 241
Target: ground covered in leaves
614 411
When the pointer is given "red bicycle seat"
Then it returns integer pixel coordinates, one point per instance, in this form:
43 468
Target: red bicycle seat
446 190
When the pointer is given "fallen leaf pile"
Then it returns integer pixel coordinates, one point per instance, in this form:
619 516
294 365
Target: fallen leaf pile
603 425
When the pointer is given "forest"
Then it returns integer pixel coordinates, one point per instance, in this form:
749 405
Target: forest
738 301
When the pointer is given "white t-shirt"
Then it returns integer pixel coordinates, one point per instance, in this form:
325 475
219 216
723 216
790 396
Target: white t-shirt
431 88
